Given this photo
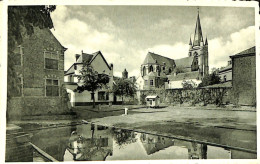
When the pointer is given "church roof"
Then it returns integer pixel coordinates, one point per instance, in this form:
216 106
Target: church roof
184 76
153 58
184 62
198 33
247 52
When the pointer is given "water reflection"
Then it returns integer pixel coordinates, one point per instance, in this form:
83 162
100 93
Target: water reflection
89 142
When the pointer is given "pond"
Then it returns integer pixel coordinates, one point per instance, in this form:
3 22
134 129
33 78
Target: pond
90 142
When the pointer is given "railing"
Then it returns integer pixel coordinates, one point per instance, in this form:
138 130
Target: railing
43 155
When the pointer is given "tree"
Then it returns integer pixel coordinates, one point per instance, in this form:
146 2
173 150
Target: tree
210 79
179 69
21 23
91 80
188 84
124 87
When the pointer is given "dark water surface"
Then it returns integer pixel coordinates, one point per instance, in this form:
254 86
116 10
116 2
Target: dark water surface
89 142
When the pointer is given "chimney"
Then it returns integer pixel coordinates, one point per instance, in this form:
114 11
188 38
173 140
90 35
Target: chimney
77 56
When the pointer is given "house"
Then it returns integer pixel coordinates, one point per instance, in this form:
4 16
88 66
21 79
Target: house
99 64
158 71
39 65
226 73
244 77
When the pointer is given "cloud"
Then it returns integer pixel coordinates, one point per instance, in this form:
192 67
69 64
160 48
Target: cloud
220 49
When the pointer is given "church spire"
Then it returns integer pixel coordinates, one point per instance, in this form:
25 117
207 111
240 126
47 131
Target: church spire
206 42
198 32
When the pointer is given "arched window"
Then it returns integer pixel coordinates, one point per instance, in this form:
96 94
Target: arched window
151 68
170 70
144 71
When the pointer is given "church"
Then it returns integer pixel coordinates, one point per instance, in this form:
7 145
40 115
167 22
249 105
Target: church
158 71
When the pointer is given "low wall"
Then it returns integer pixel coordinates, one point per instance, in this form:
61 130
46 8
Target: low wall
203 96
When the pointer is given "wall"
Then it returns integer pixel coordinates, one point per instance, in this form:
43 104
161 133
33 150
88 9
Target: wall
228 75
192 97
33 72
178 84
244 80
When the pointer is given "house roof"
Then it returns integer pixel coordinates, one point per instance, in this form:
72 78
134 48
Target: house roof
184 76
155 58
84 57
247 52
229 67
184 62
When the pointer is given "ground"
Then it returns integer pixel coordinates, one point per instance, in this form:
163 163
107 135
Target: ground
227 127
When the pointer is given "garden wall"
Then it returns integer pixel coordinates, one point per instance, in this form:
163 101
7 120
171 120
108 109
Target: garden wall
203 96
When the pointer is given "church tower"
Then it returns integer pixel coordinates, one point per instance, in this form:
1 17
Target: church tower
199 49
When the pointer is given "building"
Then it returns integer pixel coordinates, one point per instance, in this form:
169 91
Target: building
226 73
39 65
157 69
99 64
244 77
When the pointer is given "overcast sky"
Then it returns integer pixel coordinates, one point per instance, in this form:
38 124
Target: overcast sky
125 34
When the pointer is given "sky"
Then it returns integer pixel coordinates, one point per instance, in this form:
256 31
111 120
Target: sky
125 34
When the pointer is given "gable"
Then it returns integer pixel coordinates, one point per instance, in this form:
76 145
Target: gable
99 64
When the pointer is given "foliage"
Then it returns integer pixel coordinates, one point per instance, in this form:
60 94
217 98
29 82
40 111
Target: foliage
210 79
124 87
188 84
91 80
123 137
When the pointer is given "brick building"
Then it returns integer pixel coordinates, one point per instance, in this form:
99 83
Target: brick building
244 77
39 65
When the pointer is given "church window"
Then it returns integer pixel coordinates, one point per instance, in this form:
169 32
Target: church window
51 60
151 82
170 70
52 87
151 68
144 71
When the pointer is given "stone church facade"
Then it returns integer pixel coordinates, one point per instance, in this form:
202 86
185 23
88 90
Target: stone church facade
158 71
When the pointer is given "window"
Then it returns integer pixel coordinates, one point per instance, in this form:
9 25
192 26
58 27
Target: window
107 96
225 78
151 68
52 87
101 95
144 71
170 70
146 82
51 60
75 67
151 82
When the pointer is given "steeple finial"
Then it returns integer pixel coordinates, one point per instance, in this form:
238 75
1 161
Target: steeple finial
206 42
198 32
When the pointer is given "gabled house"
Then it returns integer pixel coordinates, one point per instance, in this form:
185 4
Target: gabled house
99 63
39 65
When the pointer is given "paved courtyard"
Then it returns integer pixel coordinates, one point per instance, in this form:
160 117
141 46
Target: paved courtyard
224 127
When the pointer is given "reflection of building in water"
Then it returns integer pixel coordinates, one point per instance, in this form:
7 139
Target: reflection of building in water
90 143
195 150
152 143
